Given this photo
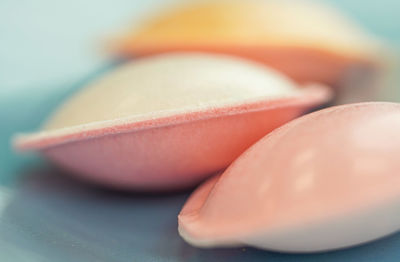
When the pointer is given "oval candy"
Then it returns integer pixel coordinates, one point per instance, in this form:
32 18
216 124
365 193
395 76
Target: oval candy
306 40
169 121
327 180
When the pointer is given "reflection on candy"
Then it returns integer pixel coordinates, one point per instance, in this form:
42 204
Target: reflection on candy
169 121
327 180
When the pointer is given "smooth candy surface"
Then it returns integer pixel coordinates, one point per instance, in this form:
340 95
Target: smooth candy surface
327 180
306 40
169 121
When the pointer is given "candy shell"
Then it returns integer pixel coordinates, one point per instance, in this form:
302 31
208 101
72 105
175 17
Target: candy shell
327 180
169 121
306 40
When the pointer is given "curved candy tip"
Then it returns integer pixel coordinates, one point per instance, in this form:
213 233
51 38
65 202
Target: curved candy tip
324 181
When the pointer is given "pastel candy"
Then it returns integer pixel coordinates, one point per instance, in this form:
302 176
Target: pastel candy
169 121
327 180
306 40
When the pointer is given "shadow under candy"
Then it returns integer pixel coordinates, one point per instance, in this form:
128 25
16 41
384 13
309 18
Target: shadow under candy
50 216
53 217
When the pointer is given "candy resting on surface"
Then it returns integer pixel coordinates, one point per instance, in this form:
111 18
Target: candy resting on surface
169 121
327 180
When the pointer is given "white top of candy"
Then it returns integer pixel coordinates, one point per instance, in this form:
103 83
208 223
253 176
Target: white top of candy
171 82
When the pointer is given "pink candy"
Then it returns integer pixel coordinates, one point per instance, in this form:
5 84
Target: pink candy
169 121
327 180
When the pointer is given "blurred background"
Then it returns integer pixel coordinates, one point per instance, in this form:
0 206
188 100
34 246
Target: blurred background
48 49
45 42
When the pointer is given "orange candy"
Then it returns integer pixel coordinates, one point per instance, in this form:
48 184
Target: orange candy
303 39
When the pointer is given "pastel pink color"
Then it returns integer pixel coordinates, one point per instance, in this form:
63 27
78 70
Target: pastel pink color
171 152
327 180
169 121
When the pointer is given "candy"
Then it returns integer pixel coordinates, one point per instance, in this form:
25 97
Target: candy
327 180
169 121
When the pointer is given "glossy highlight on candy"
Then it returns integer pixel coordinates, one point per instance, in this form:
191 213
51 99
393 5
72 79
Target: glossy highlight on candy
327 180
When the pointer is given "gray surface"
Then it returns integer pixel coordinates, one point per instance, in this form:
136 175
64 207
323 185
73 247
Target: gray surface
55 218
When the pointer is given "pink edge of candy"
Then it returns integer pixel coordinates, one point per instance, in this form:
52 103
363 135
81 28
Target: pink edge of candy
312 95
376 190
